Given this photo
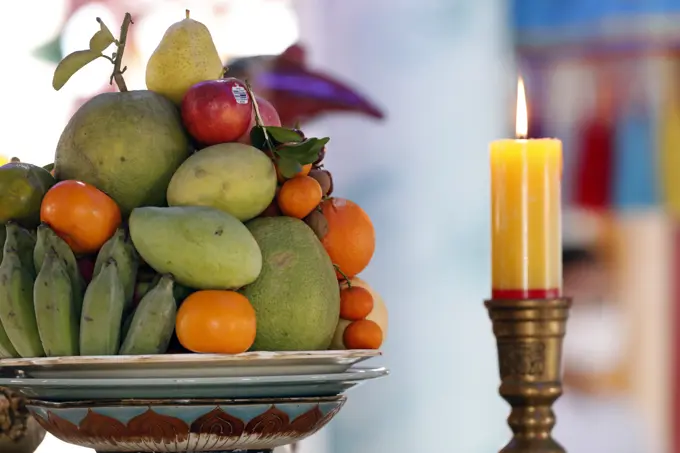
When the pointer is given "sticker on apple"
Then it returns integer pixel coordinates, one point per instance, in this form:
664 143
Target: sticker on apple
240 94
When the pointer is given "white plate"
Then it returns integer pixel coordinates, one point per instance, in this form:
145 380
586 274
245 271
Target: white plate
314 385
186 365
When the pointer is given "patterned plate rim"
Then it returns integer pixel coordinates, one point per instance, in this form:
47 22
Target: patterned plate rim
180 402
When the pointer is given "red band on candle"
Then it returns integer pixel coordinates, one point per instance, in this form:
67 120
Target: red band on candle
519 294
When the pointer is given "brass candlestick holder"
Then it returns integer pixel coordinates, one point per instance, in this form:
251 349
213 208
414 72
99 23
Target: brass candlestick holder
529 335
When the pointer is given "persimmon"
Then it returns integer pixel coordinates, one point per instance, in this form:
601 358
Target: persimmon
216 322
355 303
82 215
363 334
299 196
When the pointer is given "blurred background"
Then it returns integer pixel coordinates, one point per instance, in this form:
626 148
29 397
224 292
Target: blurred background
437 81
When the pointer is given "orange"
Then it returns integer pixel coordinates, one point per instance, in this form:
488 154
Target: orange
363 334
355 303
299 196
82 215
350 241
304 172
216 322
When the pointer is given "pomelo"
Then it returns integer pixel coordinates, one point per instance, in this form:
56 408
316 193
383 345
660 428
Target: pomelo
22 188
235 178
378 315
128 145
202 247
296 297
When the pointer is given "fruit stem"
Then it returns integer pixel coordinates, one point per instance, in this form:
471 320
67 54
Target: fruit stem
117 74
349 282
188 13
258 119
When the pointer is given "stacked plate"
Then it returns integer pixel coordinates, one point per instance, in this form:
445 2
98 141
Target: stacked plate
187 402
242 376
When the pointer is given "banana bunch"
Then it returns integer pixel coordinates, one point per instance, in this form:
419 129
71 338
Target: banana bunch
47 309
17 313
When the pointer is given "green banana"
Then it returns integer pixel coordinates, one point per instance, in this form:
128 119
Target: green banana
3 237
57 308
41 245
102 314
120 248
22 242
7 350
126 324
153 322
16 303
47 239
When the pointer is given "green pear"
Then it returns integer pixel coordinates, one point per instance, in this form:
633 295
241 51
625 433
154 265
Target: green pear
185 56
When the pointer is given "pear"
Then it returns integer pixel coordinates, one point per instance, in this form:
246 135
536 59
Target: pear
185 56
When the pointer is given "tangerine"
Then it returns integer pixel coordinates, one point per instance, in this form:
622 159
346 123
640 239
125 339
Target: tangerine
350 240
216 322
299 196
355 303
363 334
82 215
304 172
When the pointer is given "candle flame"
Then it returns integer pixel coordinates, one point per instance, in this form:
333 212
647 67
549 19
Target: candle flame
521 119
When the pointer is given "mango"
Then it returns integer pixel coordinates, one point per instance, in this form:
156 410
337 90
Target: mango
235 178
202 247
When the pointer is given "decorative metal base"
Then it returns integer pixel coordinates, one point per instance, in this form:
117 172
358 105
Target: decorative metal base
529 335
19 432
223 451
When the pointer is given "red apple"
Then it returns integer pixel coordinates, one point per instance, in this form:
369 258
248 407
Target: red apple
270 117
217 111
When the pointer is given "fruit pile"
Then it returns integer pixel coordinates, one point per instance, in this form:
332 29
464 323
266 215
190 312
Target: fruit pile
181 218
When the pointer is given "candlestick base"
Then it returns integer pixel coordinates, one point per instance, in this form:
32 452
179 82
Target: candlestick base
529 335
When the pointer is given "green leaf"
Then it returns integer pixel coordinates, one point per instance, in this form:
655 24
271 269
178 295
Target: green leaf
102 39
283 135
257 138
288 167
71 64
305 152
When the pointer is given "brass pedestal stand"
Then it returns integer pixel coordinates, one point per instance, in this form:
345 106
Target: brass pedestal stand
529 336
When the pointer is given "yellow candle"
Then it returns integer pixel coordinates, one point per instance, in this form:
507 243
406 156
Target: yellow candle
526 233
